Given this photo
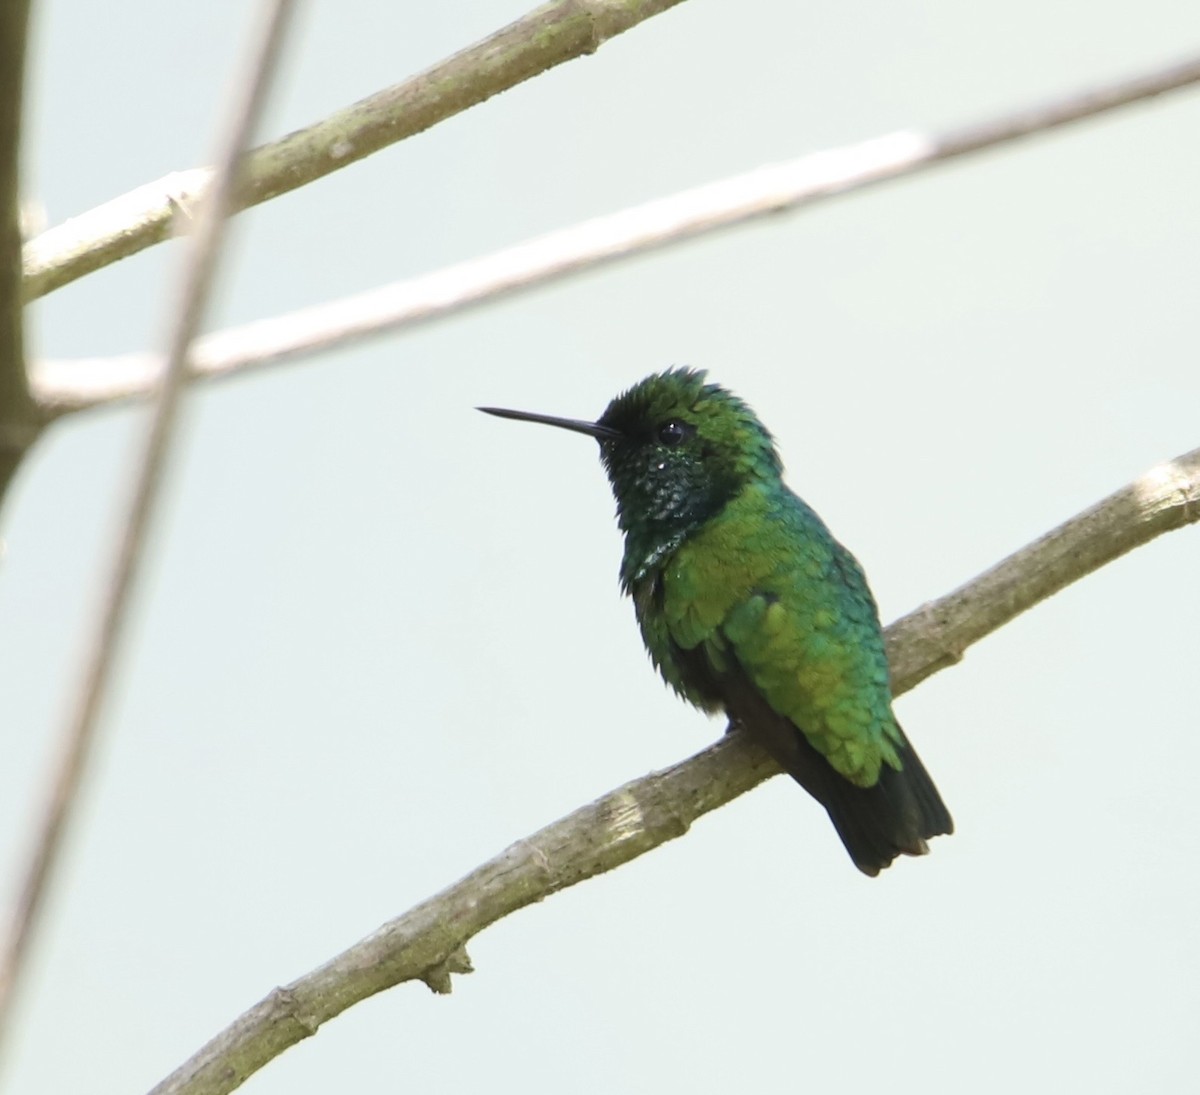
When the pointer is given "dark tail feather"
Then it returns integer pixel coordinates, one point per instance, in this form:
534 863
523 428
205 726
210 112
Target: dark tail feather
895 817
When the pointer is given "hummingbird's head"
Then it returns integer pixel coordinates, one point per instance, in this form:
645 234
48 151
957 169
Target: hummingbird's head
680 449
676 450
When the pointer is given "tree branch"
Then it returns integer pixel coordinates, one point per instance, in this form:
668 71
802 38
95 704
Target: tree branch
428 942
66 386
934 636
545 37
20 419
184 319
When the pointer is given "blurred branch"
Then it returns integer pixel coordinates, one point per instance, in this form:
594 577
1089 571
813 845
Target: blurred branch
184 319
20 419
65 386
428 942
545 37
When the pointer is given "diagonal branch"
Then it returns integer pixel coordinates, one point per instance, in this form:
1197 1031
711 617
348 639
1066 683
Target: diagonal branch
65 386
20 420
543 38
184 320
428 942
934 636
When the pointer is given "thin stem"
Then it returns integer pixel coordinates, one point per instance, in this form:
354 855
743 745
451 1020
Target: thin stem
184 319
428 942
63 387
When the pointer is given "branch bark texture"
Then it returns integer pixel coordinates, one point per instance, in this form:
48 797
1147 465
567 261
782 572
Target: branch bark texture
20 420
549 35
63 387
428 942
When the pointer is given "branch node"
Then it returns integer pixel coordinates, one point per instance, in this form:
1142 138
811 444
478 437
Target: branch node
285 1004
32 217
951 656
540 858
438 977
183 212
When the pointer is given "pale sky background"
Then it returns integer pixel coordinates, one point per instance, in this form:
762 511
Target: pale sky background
380 637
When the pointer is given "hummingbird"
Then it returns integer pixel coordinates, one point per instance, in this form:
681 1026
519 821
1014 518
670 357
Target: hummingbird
747 605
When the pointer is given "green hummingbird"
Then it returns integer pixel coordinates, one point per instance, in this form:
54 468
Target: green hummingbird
748 605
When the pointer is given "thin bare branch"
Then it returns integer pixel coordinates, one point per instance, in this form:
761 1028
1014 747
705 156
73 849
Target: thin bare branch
20 420
65 386
545 37
199 269
935 635
428 942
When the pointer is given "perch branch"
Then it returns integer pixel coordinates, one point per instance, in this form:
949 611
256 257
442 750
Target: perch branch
428 942
79 729
543 38
65 386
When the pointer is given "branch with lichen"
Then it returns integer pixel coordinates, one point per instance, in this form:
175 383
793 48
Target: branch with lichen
548 36
428 943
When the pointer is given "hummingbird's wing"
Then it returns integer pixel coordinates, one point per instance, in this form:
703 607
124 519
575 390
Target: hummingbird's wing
779 626
811 645
770 593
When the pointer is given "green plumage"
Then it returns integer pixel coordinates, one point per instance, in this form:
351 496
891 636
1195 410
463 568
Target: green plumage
747 604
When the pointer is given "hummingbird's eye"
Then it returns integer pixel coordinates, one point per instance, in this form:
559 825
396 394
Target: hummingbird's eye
673 432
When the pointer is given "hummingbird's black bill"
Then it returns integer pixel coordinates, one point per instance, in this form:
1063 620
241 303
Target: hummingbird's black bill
592 429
